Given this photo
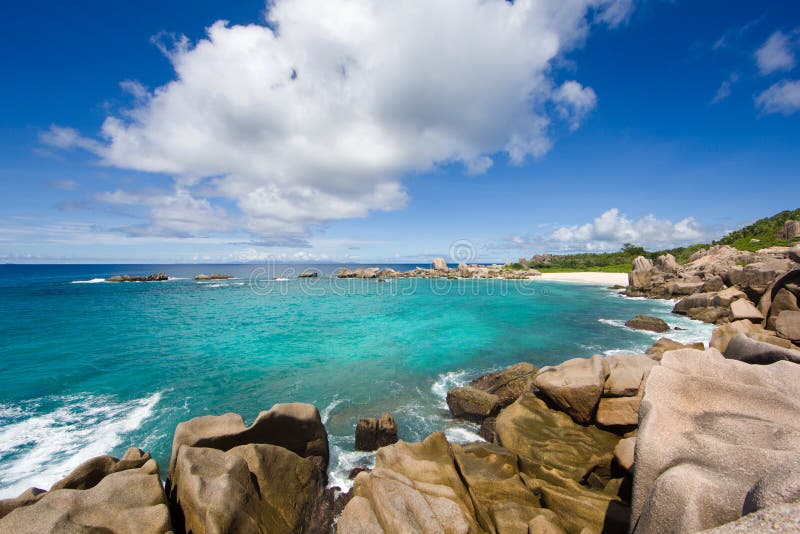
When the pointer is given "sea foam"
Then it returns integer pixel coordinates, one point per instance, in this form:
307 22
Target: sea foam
39 448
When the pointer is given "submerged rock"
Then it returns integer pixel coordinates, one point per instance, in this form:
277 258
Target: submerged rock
372 433
213 276
645 322
158 277
472 404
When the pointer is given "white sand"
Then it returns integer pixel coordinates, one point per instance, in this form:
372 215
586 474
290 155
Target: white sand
605 279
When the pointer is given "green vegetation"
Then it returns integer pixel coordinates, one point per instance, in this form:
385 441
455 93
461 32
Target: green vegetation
760 234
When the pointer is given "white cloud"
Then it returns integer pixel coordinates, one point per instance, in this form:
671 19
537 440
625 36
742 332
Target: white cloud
172 214
775 54
612 229
319 115
725 89
782 97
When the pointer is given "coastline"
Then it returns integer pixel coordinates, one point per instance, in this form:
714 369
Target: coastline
606 279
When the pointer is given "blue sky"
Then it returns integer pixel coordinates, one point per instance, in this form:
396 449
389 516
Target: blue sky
337 131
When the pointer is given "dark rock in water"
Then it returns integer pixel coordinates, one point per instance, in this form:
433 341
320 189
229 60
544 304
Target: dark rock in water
249 488
710 429
372 434
308 274
213 276
509 383
472 404
356 470
294 426
158 277
645 322
91 472
615 287
748 350
130 501
678 328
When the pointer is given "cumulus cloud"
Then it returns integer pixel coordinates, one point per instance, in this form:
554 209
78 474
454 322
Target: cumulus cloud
318 114
775 54
612 228
782 97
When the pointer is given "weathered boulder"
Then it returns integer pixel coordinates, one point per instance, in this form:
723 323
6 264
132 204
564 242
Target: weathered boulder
746 349
618 411
130 501
557 456
788 325
254 488
509 383
780 486
646 322
681 287
89 473
754 278
794 254
698 300
709 314
624 453
790 230
626 374
709 428
472 403
666 263
415 488
294 426
642 264
712 285
440 265
574 386
372 433
782 519
784 300
308 274
728 295
26 498
744 309
722 335
503 503
664 344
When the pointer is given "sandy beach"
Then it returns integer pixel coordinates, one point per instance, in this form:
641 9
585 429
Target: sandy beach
606 279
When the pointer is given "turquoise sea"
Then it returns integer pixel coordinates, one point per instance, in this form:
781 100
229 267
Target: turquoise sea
89 367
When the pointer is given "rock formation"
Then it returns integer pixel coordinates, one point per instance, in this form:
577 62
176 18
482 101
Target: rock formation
646 322
158 277
372 433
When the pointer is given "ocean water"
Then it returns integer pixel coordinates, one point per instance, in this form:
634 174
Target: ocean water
89 367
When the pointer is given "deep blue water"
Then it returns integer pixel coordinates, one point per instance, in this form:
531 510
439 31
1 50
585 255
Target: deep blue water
92 368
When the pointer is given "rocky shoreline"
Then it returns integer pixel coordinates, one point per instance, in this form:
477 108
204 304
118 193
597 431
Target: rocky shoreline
683 438
440 269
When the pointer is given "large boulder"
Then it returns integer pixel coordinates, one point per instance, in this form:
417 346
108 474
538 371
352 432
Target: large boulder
665 344
754 278
788 325
722 335
784 300
666 263
646 322
790 230
126 502
372 433
744 309
415 488
294 426
26 498
749 350
698 300
782 519
509 383
254 488
91 472
709 429
574 386
503 503
626 374
472 404
618 411
557 458
440 265
642 264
